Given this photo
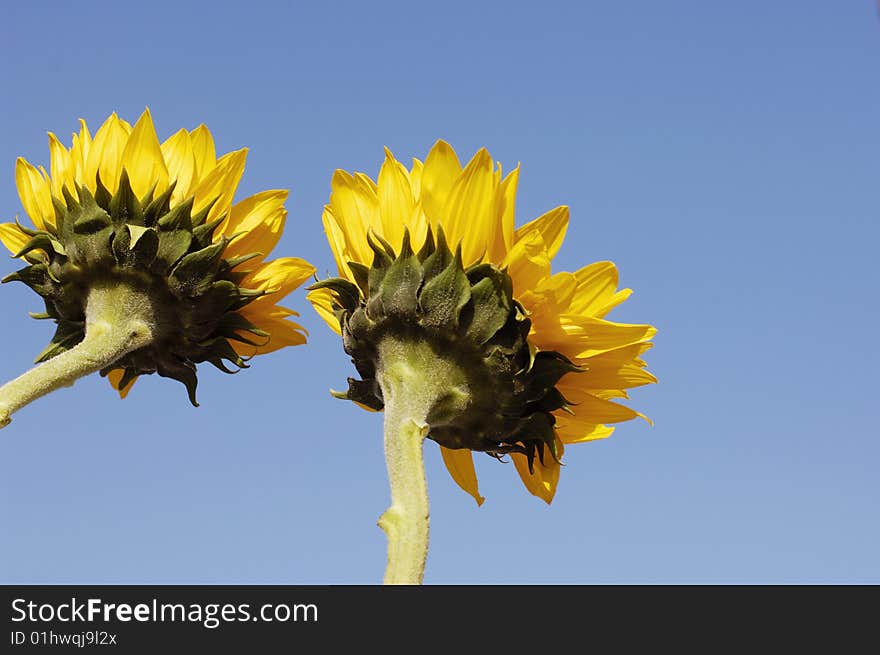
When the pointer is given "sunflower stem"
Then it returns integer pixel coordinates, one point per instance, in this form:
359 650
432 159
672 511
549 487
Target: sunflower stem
119 319
415 381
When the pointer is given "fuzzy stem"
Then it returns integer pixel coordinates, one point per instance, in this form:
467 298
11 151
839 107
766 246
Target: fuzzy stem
119 319
415 381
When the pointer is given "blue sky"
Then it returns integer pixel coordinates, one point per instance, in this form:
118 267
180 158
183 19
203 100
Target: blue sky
724 155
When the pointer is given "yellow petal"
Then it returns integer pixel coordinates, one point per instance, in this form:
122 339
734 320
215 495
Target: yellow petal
578 337
504 238
619 356
336 237
597 290
593 409
549 298
61 167
282 332
396 202
552 227
204 153
105 155
604 374
355 207
79 151
542 483
470 208
577 429
415 178
34 191
322 301
142 158
441 170
115 377
279 277
12 237
259 220
460 464
219 187
177 151
527 262
592 336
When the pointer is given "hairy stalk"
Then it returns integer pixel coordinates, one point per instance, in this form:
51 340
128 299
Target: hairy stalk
419 386
119 319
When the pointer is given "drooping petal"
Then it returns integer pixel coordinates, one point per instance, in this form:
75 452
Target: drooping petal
354 205
604 373
115 377
579 429
282 333
219 185
552 227
278 277
542 483
338 243
597 290
594 409
322 301
12 237
259 221
460 464
588 336
527 262
35 193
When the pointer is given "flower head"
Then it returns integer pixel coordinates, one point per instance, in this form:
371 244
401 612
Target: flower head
432 253
122 209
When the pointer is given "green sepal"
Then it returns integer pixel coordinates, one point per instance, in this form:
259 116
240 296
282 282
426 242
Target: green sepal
158 206
490 310
547 369
398 294
42 241
125 207
194 274
361 276
203 234
182 371
171 247
178 218
443 297
347 294
364 392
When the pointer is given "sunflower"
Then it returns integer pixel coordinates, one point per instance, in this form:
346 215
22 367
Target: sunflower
145 263
452 312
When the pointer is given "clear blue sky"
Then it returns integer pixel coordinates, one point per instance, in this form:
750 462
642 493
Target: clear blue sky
725 154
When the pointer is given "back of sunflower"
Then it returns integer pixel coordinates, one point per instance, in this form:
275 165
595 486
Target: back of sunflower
463 335
144 263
